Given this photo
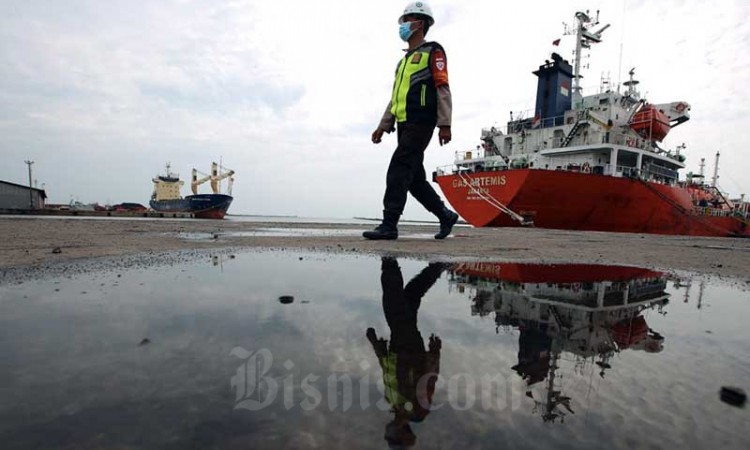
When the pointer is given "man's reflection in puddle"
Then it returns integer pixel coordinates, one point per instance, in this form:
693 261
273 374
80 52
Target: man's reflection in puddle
409 371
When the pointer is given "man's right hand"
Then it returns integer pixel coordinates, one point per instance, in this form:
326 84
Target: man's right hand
377 136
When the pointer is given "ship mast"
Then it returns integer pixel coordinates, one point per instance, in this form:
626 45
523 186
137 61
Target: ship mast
584 39
716 171
577 67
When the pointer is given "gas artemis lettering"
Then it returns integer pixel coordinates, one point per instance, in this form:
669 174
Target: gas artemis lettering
480 181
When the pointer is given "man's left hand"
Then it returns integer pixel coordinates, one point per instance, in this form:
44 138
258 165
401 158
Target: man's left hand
444 135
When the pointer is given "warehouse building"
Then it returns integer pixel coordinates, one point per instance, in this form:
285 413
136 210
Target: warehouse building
18 196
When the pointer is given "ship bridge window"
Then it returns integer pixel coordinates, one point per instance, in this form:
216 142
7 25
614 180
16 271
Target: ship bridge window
604 101
626 158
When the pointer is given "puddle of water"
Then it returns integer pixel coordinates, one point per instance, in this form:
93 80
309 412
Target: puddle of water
291 232
267 350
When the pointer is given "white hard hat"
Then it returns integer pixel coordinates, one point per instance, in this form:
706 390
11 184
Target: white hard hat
418 8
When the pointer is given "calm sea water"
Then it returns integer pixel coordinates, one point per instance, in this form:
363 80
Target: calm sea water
303 350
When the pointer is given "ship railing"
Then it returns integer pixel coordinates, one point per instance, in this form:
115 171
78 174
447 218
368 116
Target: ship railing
627 140
542 141
720 212
567 165
586 167
472 166
465 155
458 168
621 171
654 172
651 172
528 121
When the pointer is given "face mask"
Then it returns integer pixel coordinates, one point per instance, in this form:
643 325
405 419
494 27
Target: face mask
405 31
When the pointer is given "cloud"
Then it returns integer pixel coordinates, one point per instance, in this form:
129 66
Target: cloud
101 95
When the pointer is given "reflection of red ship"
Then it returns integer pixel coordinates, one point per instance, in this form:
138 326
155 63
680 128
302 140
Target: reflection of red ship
588 163
591 312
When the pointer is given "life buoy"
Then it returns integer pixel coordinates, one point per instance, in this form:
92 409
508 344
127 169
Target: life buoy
680 107
586 168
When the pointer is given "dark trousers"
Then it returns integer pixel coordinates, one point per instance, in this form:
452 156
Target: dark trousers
406 171
401 303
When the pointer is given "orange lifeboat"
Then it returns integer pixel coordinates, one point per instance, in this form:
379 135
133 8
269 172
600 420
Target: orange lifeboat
650 123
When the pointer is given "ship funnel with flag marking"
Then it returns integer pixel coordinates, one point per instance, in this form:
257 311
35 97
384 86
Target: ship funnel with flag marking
553 94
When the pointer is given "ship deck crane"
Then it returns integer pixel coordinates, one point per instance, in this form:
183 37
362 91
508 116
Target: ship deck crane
215 178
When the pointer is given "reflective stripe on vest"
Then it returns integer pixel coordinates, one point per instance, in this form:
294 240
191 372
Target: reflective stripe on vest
413 68
390 380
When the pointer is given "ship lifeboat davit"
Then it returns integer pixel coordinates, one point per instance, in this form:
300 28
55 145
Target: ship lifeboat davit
650 123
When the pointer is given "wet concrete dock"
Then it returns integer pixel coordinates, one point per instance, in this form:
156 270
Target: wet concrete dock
30 241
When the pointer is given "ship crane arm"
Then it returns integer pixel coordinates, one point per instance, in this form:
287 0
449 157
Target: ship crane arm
229 185
215 180
197 182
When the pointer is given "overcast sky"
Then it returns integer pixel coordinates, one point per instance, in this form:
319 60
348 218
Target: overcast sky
101 94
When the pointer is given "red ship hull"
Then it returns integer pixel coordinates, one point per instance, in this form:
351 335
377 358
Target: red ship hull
582 201
211 214
552 273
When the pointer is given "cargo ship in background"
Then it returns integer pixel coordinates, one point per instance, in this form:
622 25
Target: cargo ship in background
589 163
167 198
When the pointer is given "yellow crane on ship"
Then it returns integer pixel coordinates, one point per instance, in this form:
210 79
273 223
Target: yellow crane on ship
216 177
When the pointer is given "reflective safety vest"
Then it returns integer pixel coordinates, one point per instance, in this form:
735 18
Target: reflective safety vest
389 364
414 97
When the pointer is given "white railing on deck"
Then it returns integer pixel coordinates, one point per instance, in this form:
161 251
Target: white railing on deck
467 155
719 212
475 160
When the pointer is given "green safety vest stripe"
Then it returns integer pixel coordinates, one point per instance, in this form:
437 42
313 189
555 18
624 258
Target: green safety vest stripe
390 380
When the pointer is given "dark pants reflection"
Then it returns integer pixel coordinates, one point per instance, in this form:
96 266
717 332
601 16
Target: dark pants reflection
409 370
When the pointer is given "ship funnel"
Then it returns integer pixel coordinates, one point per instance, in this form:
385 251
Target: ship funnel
553 94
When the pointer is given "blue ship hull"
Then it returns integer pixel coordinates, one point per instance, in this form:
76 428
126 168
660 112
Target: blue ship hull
203 206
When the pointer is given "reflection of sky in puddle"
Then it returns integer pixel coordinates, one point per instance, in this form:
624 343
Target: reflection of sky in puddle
614 357
293 232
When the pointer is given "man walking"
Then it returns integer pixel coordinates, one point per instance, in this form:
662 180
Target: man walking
421 100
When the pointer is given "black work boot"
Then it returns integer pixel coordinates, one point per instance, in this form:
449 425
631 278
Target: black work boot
386 230
447 219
